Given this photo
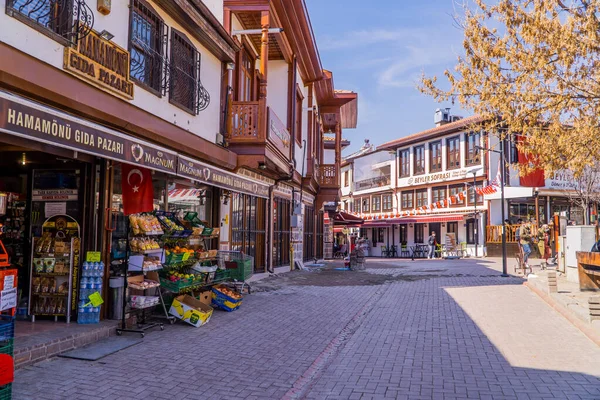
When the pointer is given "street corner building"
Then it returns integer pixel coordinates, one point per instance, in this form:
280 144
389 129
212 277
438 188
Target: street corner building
210 122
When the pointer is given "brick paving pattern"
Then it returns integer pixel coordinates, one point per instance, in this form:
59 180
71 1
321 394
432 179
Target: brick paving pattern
437 330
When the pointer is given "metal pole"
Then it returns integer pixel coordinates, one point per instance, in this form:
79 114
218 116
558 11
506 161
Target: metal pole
475 207
502 162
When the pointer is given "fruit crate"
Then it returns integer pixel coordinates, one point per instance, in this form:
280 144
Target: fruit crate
192 217
6 392
7 328
7 346
171 225
178 286
223 301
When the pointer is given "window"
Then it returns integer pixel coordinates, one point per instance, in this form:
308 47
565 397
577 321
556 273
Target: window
454 191
376 204
346 178
246 76
452 227
378 236
471 194
404 163
53 18
185 89
421 198
403 232
248 227
407 200
438 194
419 233
453 153
472 154
388 202
471 226
419 154
146 44
281 231
365 204
299 100
435 156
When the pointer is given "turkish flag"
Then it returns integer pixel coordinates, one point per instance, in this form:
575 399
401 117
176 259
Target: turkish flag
137 189
536 177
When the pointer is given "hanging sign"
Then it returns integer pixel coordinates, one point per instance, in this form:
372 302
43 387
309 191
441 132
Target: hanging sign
101 63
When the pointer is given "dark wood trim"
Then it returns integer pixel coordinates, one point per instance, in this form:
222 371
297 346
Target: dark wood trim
33 78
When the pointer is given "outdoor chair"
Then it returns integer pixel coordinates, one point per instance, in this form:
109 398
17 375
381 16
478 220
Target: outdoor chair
404 252
385 251
439 249
393 253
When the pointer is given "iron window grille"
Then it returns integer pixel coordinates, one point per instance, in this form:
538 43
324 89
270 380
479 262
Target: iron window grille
66 21
148 41
185 87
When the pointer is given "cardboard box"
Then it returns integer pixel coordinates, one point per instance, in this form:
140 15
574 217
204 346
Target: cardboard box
205 297
190 310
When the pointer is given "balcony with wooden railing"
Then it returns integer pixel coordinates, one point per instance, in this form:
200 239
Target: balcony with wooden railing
329 175
244 122
494 233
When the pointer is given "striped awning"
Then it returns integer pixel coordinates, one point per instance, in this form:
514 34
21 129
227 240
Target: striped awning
184 195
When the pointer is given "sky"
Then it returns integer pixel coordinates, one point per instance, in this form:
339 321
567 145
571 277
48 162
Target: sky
379 48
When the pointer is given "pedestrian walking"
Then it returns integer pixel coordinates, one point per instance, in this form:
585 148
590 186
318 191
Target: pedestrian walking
547 249
431 242
524 235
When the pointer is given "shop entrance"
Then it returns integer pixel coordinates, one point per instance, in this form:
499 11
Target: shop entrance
45 215
437 228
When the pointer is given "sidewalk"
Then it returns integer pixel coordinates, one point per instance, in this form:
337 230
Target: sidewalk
569 301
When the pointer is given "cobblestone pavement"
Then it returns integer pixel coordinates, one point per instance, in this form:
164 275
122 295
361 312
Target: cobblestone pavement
428 330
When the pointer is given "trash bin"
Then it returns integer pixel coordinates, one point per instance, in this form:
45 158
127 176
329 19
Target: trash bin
117 291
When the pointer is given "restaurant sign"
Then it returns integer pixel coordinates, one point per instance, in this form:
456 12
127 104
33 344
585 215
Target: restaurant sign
436 177
28 120
278 134
101 63
201 172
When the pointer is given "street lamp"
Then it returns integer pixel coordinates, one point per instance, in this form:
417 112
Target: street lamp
502 164
474 172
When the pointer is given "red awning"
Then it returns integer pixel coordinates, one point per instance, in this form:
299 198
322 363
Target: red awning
374 224
342 218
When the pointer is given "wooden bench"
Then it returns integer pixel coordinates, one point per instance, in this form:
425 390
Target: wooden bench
588 267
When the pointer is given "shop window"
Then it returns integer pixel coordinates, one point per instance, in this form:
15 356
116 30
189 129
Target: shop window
319 232
421 198
407 200
419 233
419 154
453 153
404 163
376 204
147 41
281 231
471 226
388 202
185 88
248 227
309 233
454 190
472 154
54 18
438 194
471 194
403 233
435 156
366 205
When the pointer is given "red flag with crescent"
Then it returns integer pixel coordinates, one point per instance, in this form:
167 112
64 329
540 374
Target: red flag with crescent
137 189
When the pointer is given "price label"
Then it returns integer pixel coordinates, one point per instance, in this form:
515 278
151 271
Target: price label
93 256
95 299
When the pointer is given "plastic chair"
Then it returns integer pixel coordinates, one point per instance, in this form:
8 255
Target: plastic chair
439 248
463 249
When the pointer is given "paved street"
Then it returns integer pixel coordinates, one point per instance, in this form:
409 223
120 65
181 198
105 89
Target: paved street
403 329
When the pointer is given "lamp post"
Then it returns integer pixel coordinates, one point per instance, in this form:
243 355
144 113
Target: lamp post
502 205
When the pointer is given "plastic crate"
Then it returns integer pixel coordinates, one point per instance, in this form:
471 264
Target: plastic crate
7 347
7 328
224 302
174 258
6 392
178 286
162 215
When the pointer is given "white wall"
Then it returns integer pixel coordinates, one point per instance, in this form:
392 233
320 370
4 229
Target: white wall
346 189
215 7
206 124
277 90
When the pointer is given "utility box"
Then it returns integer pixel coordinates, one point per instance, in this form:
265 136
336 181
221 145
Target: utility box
579 238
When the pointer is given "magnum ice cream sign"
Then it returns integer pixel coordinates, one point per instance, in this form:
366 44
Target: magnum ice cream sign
101 63
46 125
